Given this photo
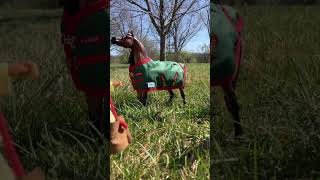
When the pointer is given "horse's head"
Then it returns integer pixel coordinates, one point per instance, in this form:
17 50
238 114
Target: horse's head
124 41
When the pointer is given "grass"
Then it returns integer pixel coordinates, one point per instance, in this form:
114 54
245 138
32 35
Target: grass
48 117
279 95
169 141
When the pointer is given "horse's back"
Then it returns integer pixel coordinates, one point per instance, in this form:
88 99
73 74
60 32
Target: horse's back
223 66
162 75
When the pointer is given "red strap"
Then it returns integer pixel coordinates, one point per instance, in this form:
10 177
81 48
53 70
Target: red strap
143 61
239 24
9 149
92 59
138 74
175 77
162 78
215 39
114 112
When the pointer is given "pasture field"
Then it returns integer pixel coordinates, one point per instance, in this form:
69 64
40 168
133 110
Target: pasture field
170 142
47 117
279 96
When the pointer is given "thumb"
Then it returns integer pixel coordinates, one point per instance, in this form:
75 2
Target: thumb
36 174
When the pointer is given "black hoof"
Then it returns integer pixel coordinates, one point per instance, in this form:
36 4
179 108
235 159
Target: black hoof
169 103
238 132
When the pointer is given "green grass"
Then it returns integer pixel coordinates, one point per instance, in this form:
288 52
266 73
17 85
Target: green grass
279 96
48 117
169 141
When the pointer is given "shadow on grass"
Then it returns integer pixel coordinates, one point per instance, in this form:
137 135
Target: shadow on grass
191 153
118 67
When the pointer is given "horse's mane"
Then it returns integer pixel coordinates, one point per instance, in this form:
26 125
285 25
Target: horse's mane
131 58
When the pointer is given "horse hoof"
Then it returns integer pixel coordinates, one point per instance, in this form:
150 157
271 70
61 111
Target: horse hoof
238 134
169 103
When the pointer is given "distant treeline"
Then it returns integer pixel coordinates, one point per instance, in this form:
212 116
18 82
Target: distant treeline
182 57
275 2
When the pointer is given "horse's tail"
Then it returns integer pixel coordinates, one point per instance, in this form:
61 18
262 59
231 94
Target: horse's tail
185 69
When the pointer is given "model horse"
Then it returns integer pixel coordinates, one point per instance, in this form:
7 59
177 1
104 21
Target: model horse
85 36
148 75
226 28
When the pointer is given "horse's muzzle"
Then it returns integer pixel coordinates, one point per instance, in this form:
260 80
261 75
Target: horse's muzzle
114 40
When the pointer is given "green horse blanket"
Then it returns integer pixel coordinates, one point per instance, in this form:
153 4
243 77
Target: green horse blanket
149 75
85 37
225 30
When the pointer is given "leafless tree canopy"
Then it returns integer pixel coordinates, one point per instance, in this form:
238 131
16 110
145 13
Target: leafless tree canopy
182 31
163 15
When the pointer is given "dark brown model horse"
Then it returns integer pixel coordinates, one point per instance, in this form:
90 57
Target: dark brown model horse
85 34
226 54
164 75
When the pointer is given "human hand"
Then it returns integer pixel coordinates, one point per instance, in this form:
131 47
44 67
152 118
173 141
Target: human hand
24 69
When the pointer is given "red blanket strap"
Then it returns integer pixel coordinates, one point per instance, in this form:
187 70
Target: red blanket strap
114 112
9 149
143 61
239 24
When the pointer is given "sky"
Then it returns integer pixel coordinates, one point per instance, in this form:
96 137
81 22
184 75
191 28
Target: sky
199 40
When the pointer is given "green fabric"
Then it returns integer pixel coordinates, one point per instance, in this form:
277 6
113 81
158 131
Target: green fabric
152 72
94 75
223 65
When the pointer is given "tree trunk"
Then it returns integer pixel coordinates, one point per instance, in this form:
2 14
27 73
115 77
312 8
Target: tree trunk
162 47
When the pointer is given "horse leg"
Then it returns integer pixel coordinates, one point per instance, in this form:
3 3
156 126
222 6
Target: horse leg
96 112
233 106
183 96
171 96
142 96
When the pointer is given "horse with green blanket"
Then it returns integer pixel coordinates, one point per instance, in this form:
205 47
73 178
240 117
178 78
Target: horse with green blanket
149 75
226 27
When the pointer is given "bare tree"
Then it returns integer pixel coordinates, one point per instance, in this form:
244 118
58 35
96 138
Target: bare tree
163 13
183 30
205 17
129 21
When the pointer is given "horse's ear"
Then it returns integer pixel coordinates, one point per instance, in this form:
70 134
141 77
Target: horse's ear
132 33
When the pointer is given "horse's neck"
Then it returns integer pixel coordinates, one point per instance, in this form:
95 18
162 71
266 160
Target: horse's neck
138 51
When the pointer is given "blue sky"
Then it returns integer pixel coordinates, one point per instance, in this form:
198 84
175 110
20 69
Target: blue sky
201 38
